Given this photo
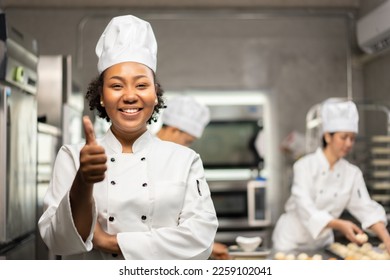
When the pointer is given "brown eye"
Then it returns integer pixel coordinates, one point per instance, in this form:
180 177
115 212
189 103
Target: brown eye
116 86
141 86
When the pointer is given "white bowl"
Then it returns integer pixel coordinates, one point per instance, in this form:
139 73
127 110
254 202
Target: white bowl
248 244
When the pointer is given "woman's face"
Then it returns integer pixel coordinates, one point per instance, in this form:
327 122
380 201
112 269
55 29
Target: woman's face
180 137
129 97
340 143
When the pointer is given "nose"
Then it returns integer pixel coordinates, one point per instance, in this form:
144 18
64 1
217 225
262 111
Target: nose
350 142
129 96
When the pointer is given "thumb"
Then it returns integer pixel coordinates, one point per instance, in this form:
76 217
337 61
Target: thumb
88 131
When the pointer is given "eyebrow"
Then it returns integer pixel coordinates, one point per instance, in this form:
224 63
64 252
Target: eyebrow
134 78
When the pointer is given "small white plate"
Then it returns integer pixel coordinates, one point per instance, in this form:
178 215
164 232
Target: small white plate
235 251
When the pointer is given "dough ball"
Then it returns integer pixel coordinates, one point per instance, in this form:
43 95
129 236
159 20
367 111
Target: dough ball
352 247
373 255
362 237
382 257
280 256
302 256
366 247
358 256
340 250
290 257
317 257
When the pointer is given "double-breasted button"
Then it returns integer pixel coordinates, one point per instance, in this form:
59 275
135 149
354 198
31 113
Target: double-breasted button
113 182
143 218
144 184
112 159
111 219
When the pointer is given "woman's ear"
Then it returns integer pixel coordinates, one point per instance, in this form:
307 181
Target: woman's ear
327 137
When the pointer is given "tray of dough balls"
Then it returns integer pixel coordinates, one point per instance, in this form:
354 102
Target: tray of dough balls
353 251
298 256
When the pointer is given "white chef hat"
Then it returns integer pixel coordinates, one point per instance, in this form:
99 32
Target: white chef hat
186 114
127 38
339 115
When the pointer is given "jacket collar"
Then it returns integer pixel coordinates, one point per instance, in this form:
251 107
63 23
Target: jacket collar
323 160
112 144
324 163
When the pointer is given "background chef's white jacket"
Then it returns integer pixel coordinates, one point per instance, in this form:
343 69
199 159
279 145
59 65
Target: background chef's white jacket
319 195
155 199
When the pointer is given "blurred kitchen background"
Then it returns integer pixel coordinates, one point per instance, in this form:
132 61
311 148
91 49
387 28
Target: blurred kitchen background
262 66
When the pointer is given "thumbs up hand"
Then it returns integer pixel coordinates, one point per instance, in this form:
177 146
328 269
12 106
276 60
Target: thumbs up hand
88 131
92 156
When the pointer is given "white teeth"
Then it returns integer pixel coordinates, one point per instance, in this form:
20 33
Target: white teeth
130 111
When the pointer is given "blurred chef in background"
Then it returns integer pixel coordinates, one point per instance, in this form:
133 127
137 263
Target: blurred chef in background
324 185
184 121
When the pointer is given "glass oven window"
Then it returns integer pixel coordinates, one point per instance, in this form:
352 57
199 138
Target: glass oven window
227 144
230 204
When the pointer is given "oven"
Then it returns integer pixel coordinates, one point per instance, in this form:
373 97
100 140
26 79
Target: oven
240 201
231 204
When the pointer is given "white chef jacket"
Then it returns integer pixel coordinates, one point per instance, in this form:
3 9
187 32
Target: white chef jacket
155 199
319 195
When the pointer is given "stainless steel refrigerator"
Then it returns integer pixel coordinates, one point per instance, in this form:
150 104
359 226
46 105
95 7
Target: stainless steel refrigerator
18 142
60 110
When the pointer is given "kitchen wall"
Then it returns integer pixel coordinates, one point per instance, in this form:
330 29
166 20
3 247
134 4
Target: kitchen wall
298 57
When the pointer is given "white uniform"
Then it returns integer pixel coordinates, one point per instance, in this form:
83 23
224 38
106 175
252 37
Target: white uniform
155 199
319 195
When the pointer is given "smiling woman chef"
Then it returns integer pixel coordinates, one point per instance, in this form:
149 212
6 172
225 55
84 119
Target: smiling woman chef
325 185
128 195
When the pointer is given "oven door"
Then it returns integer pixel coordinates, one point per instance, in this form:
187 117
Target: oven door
231 206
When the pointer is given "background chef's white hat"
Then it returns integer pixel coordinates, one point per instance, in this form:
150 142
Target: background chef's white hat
339 115
127 38
186 114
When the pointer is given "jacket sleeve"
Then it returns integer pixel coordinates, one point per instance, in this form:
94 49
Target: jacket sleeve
366 210
191 238
56 225
303 193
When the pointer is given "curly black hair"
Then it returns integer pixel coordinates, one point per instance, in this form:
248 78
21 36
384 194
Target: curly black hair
95 90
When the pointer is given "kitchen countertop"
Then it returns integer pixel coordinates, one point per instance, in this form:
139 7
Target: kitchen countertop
266 253
269 254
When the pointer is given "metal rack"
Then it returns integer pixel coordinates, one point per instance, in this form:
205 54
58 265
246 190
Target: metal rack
377 171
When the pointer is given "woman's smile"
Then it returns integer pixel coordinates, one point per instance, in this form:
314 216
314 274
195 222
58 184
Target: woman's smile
130 111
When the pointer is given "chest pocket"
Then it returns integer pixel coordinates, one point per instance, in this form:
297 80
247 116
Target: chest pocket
169 199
